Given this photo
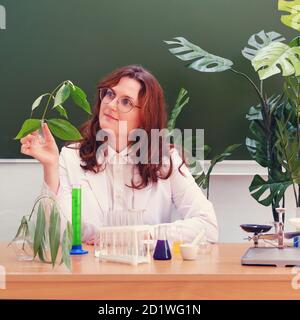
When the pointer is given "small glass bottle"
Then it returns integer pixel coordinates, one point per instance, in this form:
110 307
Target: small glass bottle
177 239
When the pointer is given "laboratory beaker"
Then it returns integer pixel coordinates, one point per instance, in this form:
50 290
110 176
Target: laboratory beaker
162 249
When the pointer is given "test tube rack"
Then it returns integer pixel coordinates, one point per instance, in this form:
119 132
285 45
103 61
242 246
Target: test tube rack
124 244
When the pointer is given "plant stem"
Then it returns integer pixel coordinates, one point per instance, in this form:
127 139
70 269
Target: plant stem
49 99
260 96
261 87
207 192
251 82
36 201
46 94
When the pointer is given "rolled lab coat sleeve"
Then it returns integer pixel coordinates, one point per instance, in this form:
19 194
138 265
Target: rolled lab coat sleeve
63 196
195 210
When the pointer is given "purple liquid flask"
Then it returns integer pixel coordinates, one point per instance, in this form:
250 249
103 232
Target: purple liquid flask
162 250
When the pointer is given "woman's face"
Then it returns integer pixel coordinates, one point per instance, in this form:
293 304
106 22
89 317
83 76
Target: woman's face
111 118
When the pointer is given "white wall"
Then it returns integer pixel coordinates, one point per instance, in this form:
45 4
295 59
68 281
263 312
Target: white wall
21 182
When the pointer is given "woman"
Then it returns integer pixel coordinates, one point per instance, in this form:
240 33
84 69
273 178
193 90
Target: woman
129 99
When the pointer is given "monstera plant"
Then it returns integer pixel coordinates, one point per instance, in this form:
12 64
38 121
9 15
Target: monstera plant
274 123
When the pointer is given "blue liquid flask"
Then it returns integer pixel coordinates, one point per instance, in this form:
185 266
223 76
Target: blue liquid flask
162 249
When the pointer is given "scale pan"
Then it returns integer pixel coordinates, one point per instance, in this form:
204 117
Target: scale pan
256 228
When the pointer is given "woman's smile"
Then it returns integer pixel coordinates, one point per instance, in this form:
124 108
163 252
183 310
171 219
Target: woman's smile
110 117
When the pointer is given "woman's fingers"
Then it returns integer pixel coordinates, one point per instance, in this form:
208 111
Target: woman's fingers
25 148
29 137
47 133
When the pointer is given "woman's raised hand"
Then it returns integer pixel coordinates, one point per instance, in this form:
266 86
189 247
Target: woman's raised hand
44 151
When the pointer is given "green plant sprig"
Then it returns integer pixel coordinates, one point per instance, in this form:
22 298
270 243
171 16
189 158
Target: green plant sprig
60 127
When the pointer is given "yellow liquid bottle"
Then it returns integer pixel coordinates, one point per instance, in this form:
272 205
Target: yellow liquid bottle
176 245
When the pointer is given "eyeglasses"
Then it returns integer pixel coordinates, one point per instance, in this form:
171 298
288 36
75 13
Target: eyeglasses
124 104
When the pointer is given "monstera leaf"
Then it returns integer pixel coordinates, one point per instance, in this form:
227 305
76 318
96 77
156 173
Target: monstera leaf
257 146
202 60
292 91
293 7
264 40
288 149
260 128
269 58
266 191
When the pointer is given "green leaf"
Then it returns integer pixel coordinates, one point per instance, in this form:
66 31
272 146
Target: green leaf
37 102
258 144
62 95
221 157
181 101
207 150
67 241
276 54
288 151
293 7
79 98
22 229
71 84
203 179
28 126
264 40
63 129
265 192
203 61
54 233
61 110
292 89
254 113
41 251
295 42
39 229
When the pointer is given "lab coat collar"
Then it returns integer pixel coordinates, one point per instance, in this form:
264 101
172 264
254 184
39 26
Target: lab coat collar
97 182
111 156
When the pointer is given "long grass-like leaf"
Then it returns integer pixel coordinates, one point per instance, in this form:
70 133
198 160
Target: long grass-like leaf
54 233
181 101
39 229
67 241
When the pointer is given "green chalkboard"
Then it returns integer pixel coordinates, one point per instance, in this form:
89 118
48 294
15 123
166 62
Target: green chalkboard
46 42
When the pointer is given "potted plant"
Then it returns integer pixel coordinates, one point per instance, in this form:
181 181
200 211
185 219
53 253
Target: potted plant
272 121
39 233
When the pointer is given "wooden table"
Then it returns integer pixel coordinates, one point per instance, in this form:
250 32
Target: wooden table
218 275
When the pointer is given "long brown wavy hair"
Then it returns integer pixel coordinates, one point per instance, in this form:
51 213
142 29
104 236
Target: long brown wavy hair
153 116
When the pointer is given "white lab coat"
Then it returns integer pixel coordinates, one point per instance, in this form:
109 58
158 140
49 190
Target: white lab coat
160 200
